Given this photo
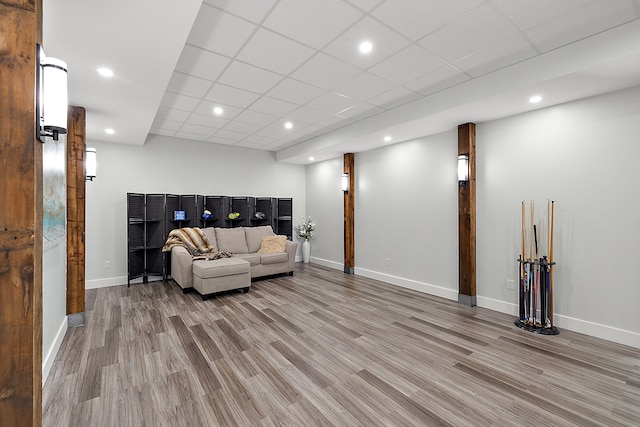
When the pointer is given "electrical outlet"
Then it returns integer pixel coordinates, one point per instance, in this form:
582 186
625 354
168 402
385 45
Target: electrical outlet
510 284
387 261
107 264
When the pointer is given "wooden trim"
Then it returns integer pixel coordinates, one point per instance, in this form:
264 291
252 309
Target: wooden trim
467 219
76 138
20 218
349 221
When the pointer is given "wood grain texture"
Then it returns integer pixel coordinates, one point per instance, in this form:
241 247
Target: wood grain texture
76 143
324 348
349 214
20 218
467 214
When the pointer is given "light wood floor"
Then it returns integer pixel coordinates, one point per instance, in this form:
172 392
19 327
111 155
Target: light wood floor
327 349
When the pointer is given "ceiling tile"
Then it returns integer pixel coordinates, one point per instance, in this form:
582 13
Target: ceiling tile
331 103
253 10
394 98
360 111
295 91
325 72
314 23
179 102
364 86
201 63
441 78
416 18
167 125
170 114
474 31
197 129
245 76
206 121
188 85
228 95
365 5
230 135
274 52
496 56
245 128
385 43
306 116
256 118
273 106
407 65
213 25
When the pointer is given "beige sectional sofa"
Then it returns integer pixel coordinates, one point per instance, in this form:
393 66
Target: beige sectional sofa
211 276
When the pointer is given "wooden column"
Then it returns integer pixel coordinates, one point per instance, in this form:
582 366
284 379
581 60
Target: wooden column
20 217
76 141
349 259
467 219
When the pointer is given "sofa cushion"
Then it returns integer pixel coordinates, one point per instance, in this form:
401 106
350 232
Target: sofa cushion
255 235
266 259
273 245
211 235
253 259
231 240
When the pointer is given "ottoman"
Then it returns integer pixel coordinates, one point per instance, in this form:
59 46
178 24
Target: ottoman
223 274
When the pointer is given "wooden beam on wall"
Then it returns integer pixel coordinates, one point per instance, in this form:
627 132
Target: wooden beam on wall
20 217
76 142
467 219
349 220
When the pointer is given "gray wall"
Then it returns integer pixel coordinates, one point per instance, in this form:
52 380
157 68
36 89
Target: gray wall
169 165
579 154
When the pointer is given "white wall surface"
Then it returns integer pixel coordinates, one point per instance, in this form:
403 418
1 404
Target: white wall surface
169 165
580 154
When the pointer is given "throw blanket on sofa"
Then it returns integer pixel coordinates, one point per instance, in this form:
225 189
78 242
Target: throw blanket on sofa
193 239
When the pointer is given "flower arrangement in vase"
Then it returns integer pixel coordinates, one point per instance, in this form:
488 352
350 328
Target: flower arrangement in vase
304 230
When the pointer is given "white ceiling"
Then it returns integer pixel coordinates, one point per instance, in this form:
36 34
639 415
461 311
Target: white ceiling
435 64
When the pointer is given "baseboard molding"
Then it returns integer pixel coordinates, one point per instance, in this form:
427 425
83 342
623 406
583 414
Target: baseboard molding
47 360
327 263
105 283
410 284
592 329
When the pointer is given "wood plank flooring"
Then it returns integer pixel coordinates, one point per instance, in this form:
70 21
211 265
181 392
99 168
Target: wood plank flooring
322 348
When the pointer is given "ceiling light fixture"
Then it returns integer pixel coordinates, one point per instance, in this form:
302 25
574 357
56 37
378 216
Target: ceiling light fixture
105 72
365 47
387 138
109 131
535 99
218 111
288 125
311 159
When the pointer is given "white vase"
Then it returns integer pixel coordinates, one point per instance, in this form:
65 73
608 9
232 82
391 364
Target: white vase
306 251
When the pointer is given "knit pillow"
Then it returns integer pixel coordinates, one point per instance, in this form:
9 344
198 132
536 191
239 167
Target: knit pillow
273 245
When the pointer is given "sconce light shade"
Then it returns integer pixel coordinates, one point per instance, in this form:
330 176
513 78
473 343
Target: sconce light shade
463 168
51 96
90 163
345 183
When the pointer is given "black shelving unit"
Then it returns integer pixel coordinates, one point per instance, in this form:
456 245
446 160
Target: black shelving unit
242 205
284 222
145 236
267 206
219 206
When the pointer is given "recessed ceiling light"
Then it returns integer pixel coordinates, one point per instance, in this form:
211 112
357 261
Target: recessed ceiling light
105 72
288 125
387 138
109 131
311 159
365 47
535 99
218 111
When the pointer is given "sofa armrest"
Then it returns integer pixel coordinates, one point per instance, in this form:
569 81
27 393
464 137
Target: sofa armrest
181 267
291 249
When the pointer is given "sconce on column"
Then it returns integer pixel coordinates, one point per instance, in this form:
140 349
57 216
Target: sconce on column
463 169
90 163
51 96
345 183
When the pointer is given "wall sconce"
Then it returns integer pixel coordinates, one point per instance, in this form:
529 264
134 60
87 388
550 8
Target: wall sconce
90 163
51 96
345 183
463 169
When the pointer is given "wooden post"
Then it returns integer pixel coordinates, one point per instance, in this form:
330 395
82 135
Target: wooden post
349 258
76 138
467 219
20 217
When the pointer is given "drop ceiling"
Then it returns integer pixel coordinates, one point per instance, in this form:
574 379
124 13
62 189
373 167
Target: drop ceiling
434 64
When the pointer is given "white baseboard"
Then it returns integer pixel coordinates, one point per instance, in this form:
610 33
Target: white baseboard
410 284
327 263
497 305
50 356
105 283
